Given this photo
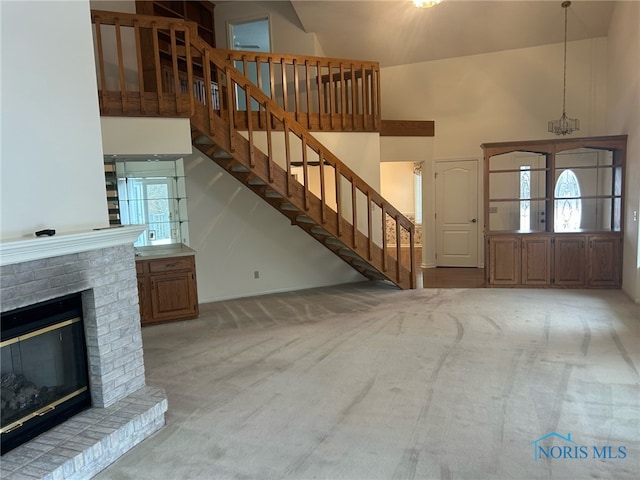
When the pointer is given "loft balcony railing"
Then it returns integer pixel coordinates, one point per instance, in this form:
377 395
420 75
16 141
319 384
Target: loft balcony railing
320 93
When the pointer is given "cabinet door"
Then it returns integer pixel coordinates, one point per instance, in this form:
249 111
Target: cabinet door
173 295
570 260
604 260
536 260
504 260
143 299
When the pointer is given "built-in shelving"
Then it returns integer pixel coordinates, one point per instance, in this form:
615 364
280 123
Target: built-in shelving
553 212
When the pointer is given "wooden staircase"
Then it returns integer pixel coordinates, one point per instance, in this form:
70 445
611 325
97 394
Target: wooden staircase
293 207
262 145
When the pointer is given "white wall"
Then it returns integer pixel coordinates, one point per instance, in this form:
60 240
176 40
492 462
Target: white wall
501 96
145 136
398 186
51 164
236 233
624 118
287 35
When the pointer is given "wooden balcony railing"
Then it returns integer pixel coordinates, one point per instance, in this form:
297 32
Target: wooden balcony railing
324 94
202 83
321 93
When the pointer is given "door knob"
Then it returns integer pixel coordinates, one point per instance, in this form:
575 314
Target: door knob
473 220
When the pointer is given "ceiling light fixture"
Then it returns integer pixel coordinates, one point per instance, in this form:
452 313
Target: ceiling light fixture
425 3
564 125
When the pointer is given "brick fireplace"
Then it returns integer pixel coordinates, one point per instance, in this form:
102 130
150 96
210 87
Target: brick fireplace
101 266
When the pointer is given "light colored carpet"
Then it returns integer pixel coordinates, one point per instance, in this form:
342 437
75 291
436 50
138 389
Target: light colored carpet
369 382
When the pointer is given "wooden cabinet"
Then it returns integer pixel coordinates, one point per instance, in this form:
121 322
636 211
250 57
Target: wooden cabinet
605 260
553 212
570 260
536 260
519 261
167 289
555 260
505 269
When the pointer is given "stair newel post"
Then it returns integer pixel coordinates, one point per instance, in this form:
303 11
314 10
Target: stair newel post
267 110
338 199
103 81
174 66
320 102
343 97
287 150
384 236
397 247
412 259
123 85
136 29
156 56
252 150
208 91
231 107
189 60
305 172
323 197
369 226
308 82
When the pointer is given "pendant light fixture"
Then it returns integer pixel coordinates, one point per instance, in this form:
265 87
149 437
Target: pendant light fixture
425 3
564 125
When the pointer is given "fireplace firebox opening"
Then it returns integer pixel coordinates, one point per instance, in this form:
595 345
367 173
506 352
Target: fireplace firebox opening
44 373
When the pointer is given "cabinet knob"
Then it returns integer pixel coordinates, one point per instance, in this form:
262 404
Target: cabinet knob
473 220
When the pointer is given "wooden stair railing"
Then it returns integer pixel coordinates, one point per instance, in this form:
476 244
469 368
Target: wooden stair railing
274 155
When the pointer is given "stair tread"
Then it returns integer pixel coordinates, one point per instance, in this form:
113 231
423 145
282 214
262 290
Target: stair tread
321 231
305 219
333 241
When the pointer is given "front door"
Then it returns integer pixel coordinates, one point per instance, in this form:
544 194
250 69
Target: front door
456 188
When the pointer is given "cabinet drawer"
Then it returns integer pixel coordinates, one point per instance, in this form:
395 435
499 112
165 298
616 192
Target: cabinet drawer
170 264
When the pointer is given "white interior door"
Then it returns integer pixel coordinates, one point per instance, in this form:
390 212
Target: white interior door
456 188
251 35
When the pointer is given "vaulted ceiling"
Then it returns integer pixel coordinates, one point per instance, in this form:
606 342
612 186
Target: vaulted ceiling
394 32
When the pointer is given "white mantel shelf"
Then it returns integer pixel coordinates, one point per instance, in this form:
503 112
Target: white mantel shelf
36 248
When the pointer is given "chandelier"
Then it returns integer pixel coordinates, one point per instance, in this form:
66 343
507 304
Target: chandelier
425 3
564 125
